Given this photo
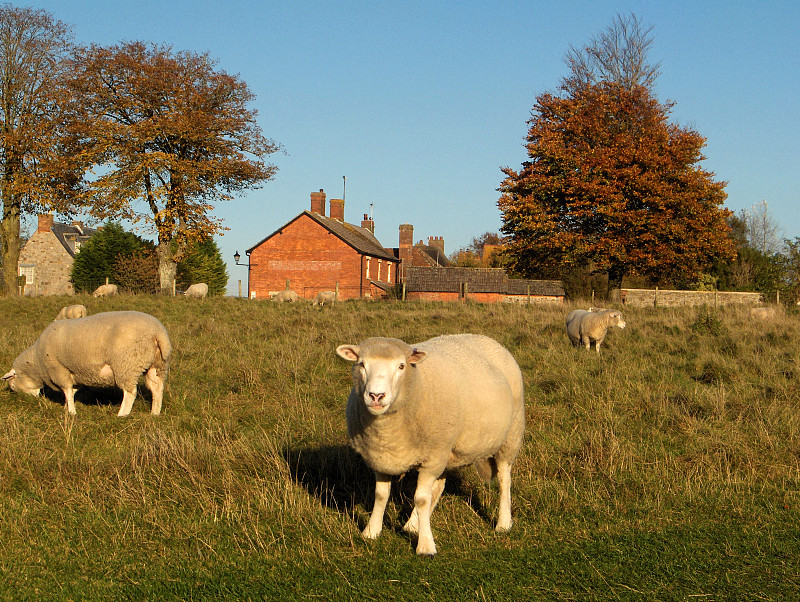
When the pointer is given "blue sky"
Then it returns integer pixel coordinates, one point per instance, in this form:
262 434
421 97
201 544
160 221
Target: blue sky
419 104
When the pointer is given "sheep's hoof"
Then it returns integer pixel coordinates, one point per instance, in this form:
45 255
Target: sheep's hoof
370 534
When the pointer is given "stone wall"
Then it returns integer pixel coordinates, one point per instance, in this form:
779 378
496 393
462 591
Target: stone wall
52 265
638 297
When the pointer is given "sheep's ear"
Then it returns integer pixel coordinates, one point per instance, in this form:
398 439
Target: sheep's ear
416 356
348 352
10 374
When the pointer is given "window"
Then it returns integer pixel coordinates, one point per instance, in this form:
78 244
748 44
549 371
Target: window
368 268
29 271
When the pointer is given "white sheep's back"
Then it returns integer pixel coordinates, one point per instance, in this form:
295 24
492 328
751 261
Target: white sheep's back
476 386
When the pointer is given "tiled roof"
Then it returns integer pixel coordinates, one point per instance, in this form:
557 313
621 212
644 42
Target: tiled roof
68 234
432 256
538 288
478 280
361 239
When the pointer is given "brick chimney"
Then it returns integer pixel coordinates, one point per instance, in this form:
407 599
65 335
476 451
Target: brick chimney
337 209
78 226
437 242
45 222
318 202
368 224
406 246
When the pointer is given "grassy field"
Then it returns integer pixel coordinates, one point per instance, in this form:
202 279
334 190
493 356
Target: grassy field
667 469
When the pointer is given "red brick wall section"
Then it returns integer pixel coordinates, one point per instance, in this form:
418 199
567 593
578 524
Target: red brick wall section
475 297
310 257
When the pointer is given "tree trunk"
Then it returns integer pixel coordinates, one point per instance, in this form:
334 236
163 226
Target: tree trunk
167 267
614 294
9 238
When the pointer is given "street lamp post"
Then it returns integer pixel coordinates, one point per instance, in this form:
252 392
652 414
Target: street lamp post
236 258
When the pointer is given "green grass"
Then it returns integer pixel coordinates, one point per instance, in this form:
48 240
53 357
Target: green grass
667 469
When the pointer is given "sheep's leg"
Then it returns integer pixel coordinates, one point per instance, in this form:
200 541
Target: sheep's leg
423 504
597 345
412 524
504 521
383 484
127 401
69 395
156 385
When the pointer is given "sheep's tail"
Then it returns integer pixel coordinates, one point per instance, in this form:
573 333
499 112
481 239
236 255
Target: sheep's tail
162 352
487 469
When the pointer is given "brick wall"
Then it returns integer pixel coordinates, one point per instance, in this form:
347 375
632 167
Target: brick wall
52 265
312 259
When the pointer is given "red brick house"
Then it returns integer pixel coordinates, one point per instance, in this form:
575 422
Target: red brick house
314 252
46 259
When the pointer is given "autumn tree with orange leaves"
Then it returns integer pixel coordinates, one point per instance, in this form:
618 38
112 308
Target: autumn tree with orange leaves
171 136
38 168
613 185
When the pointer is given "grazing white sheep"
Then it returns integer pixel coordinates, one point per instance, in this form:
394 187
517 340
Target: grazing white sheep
70 312
105 290
762 313
197 291
287 296
451 401
324 298
587 327
110 349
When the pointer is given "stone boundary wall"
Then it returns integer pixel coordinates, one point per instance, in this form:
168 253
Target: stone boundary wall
640 297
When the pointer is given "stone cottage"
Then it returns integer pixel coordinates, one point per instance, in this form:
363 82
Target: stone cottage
46 259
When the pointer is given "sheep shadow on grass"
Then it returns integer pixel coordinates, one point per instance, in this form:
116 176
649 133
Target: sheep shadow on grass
340 480
97 396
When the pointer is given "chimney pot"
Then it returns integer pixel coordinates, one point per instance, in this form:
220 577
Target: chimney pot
318 202
45 222
337 209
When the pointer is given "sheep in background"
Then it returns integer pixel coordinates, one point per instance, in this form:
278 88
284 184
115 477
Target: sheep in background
70 312
451 401
106 290
762 313
110 349
197 291
325 298
587 327
287 296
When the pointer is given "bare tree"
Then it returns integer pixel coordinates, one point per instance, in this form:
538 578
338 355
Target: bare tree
32 48
617 55
763 232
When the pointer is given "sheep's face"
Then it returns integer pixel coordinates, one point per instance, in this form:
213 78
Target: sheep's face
22 383
617 320
379 372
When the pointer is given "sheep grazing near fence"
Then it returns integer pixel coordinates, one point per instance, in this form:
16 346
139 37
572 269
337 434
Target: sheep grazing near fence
324 298
106 290
109 349
762 313
587 327
70 312
286 296
451 401
197 291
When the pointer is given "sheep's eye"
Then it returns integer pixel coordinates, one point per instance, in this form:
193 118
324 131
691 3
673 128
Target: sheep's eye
402 366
